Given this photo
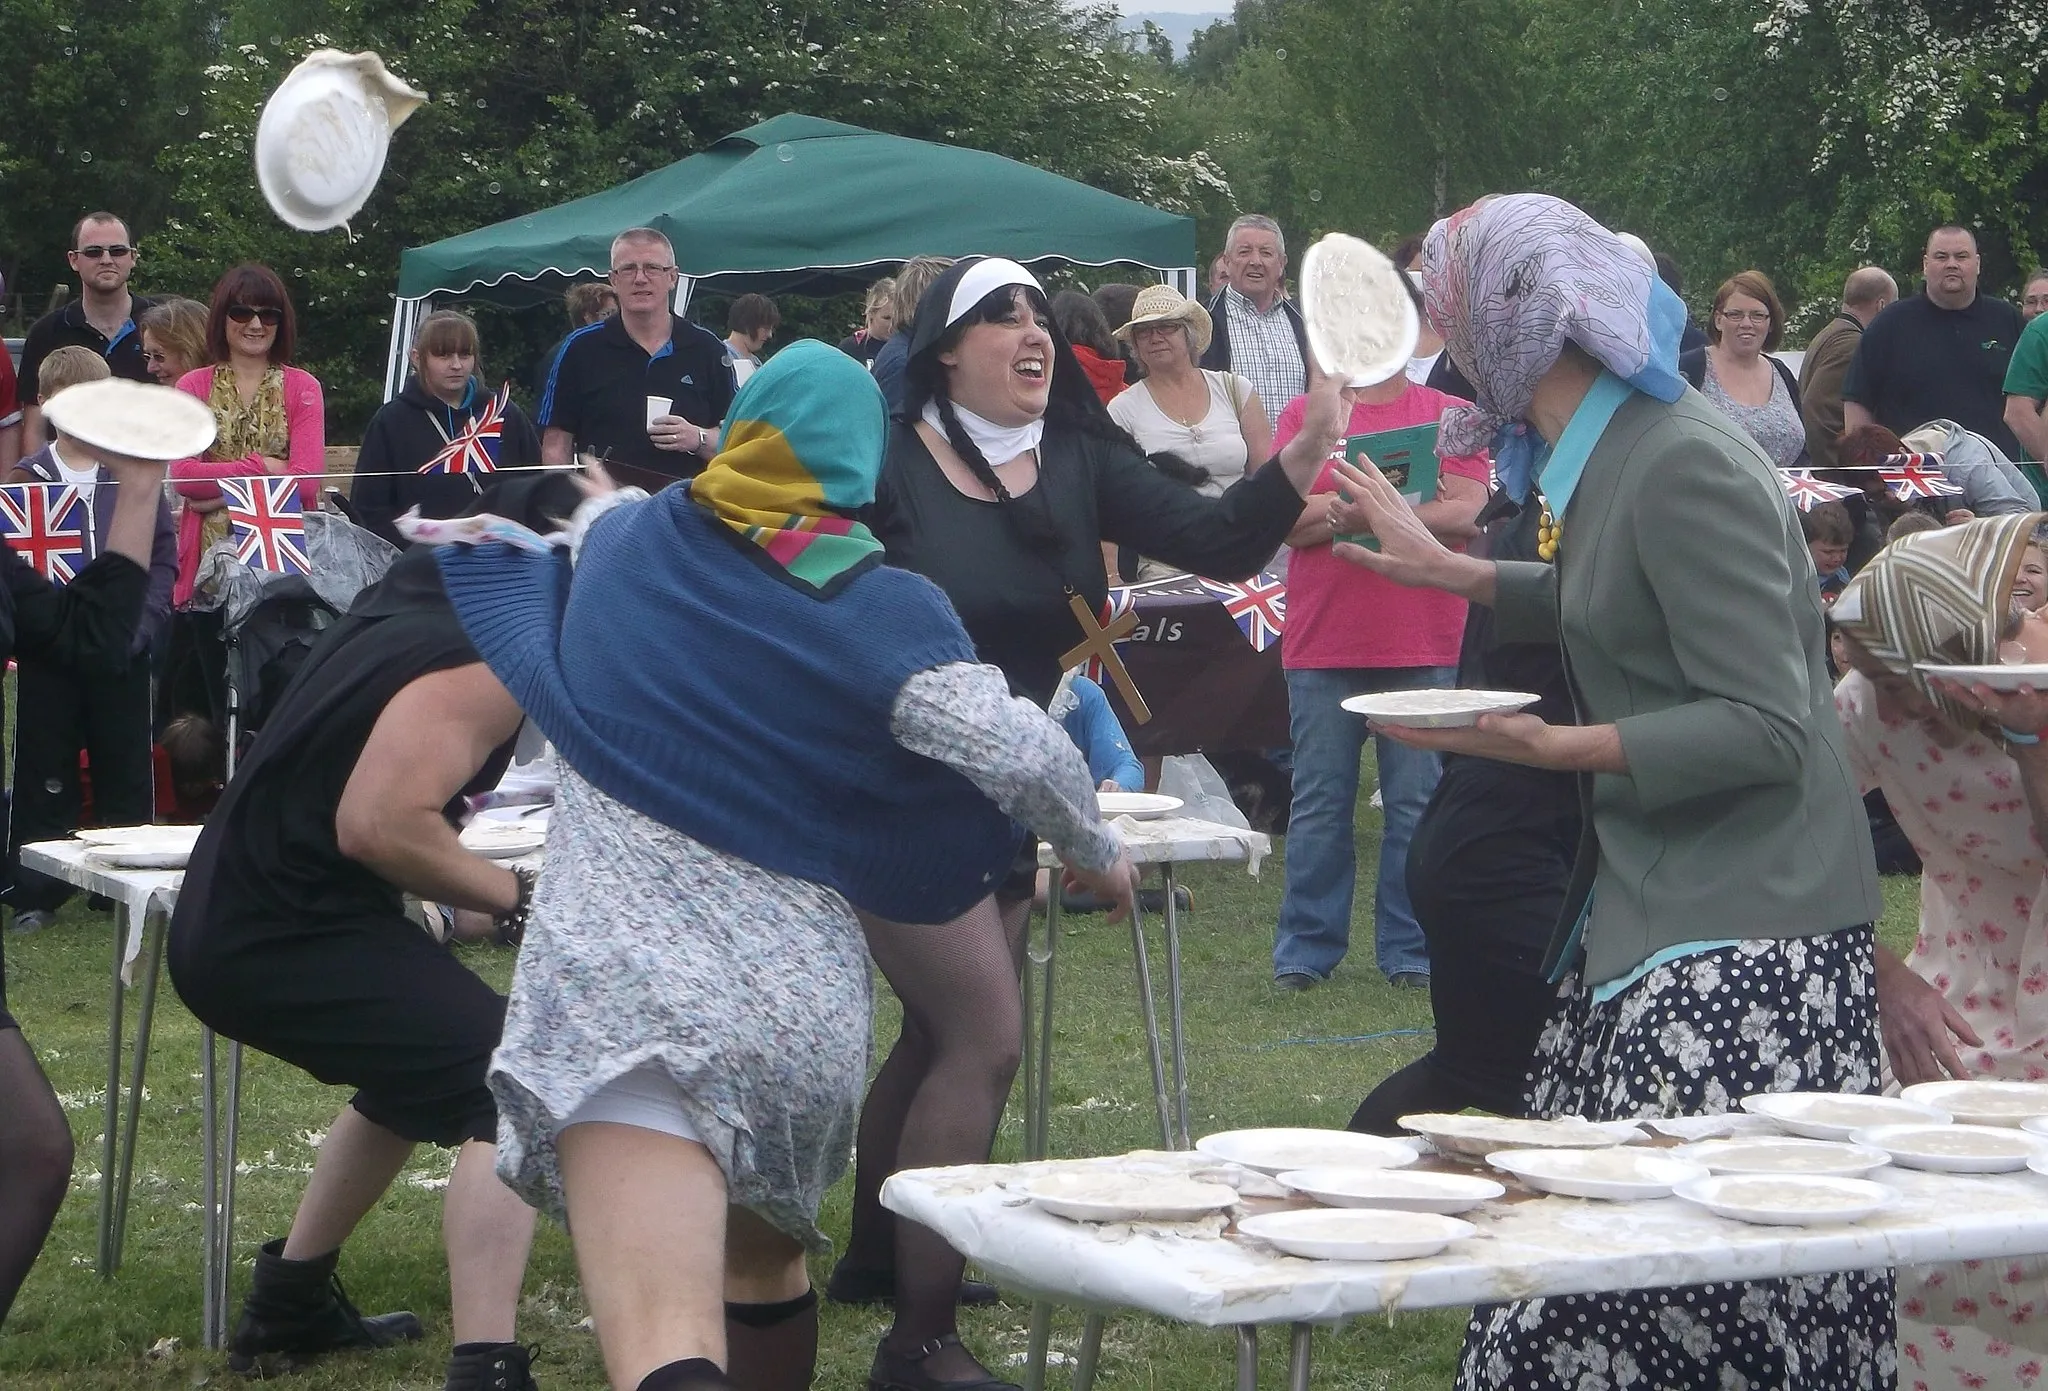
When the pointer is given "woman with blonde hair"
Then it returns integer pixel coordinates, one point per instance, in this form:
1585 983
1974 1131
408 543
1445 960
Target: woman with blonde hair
173 339
911 282
878 321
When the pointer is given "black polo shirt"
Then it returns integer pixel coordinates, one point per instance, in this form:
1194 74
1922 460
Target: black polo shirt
1919 362
598 385
66 328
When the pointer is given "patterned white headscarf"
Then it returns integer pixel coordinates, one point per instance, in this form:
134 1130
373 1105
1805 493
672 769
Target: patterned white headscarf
1509 280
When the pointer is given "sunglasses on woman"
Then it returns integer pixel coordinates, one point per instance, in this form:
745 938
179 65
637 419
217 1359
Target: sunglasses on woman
243 313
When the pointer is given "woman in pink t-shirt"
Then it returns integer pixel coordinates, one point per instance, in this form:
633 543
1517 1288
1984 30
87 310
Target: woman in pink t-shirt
1348 632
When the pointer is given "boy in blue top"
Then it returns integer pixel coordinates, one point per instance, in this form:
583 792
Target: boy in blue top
1083 711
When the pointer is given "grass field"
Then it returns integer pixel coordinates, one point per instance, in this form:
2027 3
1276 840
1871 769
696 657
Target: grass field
1256 1057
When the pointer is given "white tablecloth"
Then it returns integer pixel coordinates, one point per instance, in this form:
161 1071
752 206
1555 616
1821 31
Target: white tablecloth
1180 838
138 891
1524 1248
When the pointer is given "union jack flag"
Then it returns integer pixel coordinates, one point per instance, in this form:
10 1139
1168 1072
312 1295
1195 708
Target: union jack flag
1259 606
267 524
475 448
45 525
1808 492
1911 477
1114 607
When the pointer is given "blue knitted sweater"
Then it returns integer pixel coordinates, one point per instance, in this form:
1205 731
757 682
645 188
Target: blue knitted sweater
685 676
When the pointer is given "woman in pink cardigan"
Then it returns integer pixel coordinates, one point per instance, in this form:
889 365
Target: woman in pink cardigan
272 417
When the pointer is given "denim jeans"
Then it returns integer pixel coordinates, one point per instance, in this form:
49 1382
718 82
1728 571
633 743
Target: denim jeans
1322 857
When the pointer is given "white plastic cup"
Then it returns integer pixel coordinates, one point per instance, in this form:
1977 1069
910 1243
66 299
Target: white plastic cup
657 407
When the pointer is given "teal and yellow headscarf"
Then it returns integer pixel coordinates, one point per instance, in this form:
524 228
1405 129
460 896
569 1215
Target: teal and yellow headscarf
802 450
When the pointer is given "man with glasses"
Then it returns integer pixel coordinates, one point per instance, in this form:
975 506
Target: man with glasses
1939 355
644 390
101 318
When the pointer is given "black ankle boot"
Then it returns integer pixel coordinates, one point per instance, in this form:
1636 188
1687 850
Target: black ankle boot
490 1367
297 1310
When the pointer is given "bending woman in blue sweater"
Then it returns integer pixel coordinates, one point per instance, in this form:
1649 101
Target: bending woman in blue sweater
686 1039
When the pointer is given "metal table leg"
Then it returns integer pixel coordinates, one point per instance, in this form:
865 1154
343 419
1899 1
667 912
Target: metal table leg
1173 1008
1038 1059
1247 1357
1152 1045
231 1134
107 1258
213 1320
1089 1355
1298 1358
153 954
1035 1350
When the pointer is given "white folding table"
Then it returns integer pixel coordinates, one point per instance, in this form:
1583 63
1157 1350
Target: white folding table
1526 1247
1162 841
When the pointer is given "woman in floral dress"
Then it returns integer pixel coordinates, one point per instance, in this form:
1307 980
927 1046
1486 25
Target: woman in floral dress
1970 790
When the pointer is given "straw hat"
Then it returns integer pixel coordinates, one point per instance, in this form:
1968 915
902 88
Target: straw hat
1162 304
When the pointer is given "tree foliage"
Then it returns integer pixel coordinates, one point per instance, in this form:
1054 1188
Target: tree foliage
1803 137
535 102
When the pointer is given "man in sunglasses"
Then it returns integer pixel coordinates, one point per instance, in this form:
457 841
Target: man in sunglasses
102 318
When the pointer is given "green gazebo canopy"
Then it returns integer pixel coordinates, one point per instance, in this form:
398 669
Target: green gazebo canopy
798 203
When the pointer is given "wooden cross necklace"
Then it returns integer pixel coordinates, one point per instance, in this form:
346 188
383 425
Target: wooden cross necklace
1100 645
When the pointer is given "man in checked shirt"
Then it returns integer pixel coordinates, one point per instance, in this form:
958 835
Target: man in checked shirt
1258 330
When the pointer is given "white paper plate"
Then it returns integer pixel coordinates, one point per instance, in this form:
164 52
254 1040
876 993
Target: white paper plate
1619 1175
1836 1115
1780 1155
323 135
2039 1163
1478 1136
502 840
1954 1149
2035 1125
1399 1190
1785 1200
1983 1103
1359 314
1139 806
1276 1151
1436 709
140 857
1356 1234
139 419
139 835
1101 1196
140 847
1998 678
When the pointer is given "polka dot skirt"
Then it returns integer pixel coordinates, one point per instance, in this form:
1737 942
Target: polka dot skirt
1694 1037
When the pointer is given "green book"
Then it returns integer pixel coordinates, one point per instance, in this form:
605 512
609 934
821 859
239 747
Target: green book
1407 458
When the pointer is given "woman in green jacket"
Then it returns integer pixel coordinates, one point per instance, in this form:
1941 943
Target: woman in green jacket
1717 940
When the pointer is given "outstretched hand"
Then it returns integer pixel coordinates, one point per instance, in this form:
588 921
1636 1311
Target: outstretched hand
1409 552
1920 1027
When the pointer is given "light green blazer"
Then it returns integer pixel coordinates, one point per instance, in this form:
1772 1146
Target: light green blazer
1685 599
